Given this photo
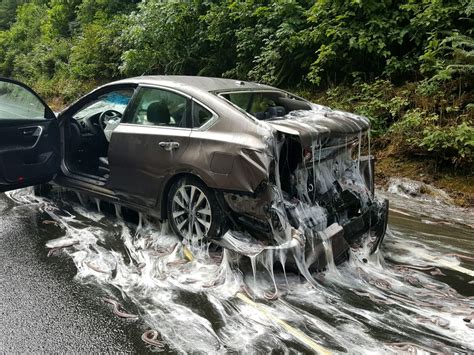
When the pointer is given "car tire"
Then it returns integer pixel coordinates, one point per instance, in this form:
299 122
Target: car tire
190 198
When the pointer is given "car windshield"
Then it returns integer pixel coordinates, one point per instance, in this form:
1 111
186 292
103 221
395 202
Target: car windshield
116 100
265 105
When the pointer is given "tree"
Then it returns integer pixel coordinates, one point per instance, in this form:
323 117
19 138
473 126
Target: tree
8 12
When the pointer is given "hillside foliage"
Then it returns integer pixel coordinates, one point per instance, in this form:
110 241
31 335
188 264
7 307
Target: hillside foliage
406 64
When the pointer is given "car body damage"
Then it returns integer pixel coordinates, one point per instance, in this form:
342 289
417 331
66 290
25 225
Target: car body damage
321 123
315 189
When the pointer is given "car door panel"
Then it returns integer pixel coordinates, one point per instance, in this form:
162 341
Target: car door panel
142 158
28 159
29 138
26 151
148 147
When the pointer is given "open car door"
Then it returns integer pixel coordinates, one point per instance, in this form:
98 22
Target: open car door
29 137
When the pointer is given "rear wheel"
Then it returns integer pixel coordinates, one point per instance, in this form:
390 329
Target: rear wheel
193 211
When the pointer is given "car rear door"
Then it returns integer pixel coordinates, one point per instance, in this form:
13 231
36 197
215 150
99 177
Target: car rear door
149 145
29 137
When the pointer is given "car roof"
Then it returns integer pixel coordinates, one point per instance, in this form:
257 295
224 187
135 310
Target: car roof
201 83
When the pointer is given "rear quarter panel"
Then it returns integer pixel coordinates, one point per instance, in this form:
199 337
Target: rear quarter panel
234 153
229 160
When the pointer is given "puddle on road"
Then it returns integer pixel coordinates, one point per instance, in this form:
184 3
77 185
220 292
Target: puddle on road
400 300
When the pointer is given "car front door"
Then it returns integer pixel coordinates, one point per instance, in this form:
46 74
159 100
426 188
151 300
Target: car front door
29 137
148 145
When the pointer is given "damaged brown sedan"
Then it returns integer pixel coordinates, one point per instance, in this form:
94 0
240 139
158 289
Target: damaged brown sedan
246 165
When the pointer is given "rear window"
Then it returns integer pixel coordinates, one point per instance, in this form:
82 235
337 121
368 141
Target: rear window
265 105
200 115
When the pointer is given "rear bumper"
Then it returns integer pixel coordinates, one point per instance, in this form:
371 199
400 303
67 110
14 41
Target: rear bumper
362 218
372 223
368 228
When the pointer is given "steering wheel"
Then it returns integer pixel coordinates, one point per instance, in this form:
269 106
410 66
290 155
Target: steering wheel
108 115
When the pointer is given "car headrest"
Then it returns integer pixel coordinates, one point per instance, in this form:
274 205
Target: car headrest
275 111
292 104
158 113
259 115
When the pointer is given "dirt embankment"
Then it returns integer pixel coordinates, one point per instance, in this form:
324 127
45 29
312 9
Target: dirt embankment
459 185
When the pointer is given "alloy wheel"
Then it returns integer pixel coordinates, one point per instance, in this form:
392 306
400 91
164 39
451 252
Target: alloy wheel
191 212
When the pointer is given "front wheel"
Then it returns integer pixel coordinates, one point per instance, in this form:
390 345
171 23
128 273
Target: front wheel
194 212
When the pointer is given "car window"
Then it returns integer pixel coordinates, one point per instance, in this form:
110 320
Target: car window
159 107
243 100
265 105
18 102
114 100
200 115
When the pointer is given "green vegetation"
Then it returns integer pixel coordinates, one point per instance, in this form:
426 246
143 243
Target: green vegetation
406 64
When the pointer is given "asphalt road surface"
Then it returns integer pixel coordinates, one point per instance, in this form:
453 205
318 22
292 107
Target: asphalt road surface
42 308
48 305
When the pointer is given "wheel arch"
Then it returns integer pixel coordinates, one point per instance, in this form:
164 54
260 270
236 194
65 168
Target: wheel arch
164 195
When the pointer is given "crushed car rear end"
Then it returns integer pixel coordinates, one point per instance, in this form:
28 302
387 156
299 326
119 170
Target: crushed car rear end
319 189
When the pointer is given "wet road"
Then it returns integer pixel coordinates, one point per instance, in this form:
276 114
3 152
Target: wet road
8 110
53 304
42 307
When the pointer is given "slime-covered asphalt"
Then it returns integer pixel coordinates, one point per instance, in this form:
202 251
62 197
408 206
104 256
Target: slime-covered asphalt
44 307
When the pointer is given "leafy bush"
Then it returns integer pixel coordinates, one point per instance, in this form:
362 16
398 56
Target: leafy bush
407 65
455 143
379 101
420 133
94 53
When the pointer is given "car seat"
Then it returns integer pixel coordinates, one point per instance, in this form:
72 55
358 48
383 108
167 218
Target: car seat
158 114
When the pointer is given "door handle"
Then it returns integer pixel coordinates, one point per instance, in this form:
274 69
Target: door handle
169 146
31 131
